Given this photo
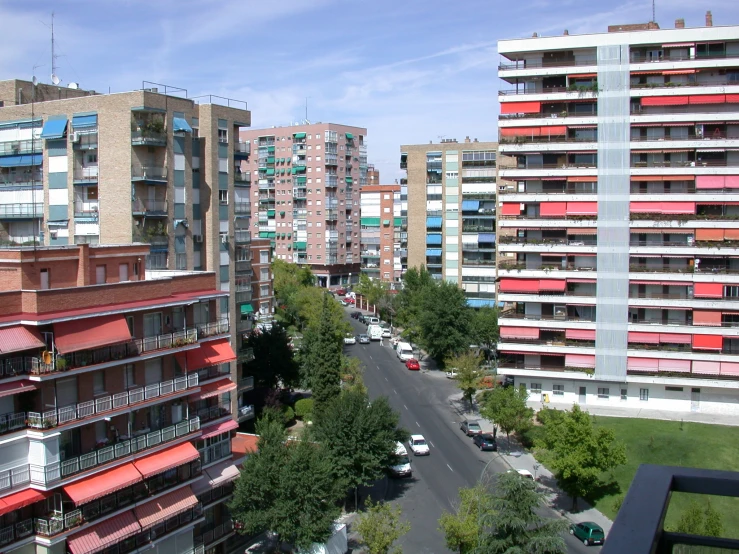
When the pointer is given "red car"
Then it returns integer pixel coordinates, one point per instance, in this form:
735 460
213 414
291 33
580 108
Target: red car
413 364
340 292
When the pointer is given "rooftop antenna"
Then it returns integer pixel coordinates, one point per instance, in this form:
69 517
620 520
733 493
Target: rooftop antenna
54 78
34 82
654 17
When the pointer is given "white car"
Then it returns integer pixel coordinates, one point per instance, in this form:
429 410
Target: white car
418 445
386 334
350 339
452 373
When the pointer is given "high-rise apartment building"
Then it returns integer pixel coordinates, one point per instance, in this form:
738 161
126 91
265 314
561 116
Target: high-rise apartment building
147 166
383 249
618 223
116 425
451 213
305 182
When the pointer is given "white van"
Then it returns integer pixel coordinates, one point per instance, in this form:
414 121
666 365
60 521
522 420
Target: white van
404 351
374 332
374 321
403 465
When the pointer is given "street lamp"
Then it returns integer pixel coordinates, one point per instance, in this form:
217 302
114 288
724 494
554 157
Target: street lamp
514 454
536 468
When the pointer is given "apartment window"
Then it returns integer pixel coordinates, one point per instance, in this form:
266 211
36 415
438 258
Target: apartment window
644 394
558 390
264 274
387 197
387 248
129 375
152 324
535 388
603 392
263 257
98 383
100 274
129 322
386 210
624 394
136 270
223 135
674 389
223 196
731 292
264 291
386 262
45 282
387 275
123 272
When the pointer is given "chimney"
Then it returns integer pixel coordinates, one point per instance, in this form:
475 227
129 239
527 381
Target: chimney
535 35
466 139
566 33
475 140
680 23
83 265
709 19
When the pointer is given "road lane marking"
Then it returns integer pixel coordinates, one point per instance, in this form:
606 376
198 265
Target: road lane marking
386 379
406 407
432 444
396 392
417 424
370 356
378 367
450 468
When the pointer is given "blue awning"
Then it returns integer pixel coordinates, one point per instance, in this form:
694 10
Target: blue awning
84 121
470 205
481 302
433 222
22 160
486 237
180 125
433 239
433 251
54 129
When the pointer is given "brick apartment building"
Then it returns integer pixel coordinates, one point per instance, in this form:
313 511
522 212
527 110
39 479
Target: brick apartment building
452 213
115 385
146 166
618 223
262 292
303 198
383 232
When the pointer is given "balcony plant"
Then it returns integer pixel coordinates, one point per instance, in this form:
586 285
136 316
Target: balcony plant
61 363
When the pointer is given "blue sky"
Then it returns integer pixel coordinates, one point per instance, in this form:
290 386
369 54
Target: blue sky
409 71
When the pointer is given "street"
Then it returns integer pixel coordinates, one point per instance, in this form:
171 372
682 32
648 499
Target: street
422 399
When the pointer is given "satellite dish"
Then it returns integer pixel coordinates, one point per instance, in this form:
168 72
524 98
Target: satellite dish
73 85
35 81
55 79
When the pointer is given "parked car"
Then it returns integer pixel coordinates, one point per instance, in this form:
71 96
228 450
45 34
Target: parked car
350 300
588 532
485 441
355 315
418 445
412 364
350 339
470 428
452 373
402 466
387 334
362 318
340 292
364 339
525 473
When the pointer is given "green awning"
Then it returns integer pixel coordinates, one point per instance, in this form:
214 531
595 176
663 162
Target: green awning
282 213
301 180
370 221
270 149
299 135
271 160
289 235
386 222
299 169
270 171
263 234
398 221
262 169
301 245
247 309
349 136
271 234
270 213
349 180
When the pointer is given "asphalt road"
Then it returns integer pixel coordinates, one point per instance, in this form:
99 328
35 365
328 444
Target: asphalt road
422 401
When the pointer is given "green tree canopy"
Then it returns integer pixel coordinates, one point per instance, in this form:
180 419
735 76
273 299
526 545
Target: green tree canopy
273 358
407 303
288 276
506 407
577 453
469 373
287 488
700 520
462 529
444 320
380 527
360 436
512 525
485 327
309 303
373 290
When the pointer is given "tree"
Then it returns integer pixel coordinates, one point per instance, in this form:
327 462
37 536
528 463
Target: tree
359 436
407 303
512 526
462 529
444 320
506 407
577 453
485 328
351 374
273 361
287 276
380 527
287 487
469 373
373 290
322 358
697 520
309 303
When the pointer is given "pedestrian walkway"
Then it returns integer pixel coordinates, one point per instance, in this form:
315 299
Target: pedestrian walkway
644 413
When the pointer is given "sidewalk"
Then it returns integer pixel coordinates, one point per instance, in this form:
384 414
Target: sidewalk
644 413
518 458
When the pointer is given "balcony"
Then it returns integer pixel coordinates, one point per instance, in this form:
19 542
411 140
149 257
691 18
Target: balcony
86 141
86 208
245 384
19 531
149 208
222 409
86 174
242 178
300 193
211 533
107 404
331 215
214 495
213 328
17 147
242 208
56 471
331 181
150 174
148 138
478 262
245 355
35 179
242 149
22 211
245 413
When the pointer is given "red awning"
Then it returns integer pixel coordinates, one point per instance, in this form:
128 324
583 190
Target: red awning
519 285
553 130
706 368
582 179
708 290
102 484
678 365
16 387
165 507
732 98
214 430
93 332
665 101
586 361
580 334
519 332
709 234
728 368
221 386
679 72
166 459
708 342
105 534
21 499
510 208
582 208
642 364
674 338
583 231
644 338
709 182
553 209
18 338
210 353
583 76
678 207
552 285
519 131
520 107
708 99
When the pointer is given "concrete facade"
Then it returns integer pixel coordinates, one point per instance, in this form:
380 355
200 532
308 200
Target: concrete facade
382 247
304 181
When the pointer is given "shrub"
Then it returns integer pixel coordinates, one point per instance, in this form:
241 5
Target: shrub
288 414
304 408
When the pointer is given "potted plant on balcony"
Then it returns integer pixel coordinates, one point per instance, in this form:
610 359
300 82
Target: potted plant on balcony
61 363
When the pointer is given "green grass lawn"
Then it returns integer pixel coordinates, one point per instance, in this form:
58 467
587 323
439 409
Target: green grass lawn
672 443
